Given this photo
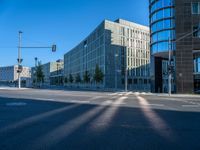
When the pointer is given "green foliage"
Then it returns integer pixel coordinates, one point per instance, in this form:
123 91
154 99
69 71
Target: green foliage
98 75
78 78
71 79
39 73
66 79
86 77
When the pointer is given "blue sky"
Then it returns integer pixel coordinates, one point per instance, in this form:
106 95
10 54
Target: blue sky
64 22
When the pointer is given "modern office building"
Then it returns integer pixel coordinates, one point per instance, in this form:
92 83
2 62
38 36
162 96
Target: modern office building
120 49
9 73
174 30
53 73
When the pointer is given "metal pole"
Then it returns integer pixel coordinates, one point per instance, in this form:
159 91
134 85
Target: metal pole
36 59
169 71
126 71
116 55
19 60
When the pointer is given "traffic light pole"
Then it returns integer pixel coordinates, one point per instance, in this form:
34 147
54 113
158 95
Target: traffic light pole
19 59
169 70
20 68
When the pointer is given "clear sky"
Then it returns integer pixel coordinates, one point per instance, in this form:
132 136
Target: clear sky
63 22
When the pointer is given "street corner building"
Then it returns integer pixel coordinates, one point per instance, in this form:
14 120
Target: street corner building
174 31
9 75
121 49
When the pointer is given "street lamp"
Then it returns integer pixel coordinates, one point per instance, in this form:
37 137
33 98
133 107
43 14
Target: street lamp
116 55
35 70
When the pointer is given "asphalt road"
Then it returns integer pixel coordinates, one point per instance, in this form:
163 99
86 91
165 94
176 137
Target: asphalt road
73 120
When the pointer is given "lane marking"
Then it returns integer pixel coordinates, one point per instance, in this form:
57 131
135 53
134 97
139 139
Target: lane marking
79 101
161 105
190 105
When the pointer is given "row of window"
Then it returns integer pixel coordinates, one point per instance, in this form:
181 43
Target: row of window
137 81
162 47
164 13
131 33
161 4
163 35
163 24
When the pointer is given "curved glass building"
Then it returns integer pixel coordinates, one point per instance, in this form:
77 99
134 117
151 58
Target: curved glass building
173 24
162 25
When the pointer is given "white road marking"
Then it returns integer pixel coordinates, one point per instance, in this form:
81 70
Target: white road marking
190 105
161 105
79 101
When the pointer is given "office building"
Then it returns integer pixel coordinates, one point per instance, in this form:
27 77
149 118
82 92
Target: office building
173 26
120 49
8 74
53 73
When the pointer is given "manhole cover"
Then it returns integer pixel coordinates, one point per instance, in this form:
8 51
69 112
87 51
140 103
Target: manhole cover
16 104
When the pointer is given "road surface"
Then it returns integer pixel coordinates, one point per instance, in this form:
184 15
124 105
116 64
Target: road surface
33 119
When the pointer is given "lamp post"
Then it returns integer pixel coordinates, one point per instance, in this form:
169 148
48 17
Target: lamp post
36 62
116 55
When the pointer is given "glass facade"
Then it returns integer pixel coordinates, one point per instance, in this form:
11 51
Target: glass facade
162 25
197 63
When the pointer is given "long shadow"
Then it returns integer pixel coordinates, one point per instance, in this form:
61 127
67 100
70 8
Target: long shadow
129 128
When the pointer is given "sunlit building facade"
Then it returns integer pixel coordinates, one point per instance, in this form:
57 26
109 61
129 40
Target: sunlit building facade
172 29
115 46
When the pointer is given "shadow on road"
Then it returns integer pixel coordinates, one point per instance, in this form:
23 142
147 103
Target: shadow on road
53 125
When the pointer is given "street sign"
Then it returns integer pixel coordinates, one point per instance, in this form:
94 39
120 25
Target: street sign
19 60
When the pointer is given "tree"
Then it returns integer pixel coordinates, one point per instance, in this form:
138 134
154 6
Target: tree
86 77
66 79
39 73
98 74
78 78
71 79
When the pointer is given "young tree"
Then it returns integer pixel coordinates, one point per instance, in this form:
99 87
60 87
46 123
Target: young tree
39 73
66 79
98 74
71 79
86 77
78 78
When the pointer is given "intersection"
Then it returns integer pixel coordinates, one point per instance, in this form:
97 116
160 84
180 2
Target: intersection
61 119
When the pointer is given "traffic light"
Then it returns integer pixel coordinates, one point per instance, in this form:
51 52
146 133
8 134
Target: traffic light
53 48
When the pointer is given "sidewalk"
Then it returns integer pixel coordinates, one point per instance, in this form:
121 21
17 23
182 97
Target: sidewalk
12 88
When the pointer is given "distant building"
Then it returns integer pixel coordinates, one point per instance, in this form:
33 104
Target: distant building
9 74
115 47
53 73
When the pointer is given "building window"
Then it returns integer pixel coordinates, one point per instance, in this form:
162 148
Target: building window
195 8
197 64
